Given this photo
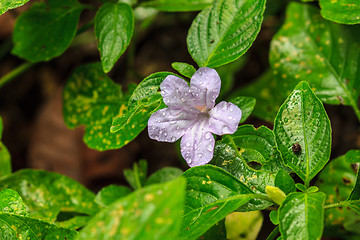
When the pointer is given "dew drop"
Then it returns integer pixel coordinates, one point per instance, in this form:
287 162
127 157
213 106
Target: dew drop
189 160
230 117
225 129
207 136
165 134
201 82
231 109
200 155
173 139
188 144
172 122
183 99
164 114
209 148
177 128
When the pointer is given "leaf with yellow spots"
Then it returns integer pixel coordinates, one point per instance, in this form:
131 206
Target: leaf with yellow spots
47 194
11 202
211 194
10 4
20 227
325 54
341 11
5 159
153 212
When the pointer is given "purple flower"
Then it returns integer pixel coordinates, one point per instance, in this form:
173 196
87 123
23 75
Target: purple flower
191 115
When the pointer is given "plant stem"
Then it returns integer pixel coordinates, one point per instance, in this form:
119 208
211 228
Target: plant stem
340 204
273 235
15 72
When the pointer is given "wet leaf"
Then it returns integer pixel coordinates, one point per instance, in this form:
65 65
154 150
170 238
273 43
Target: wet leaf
341 11
246 104
211 194
178 5
301 216
321 52
284 181
163 175
110 194
184 69
20 227
12 203
46 194
137 176
223 32
42 33
153 212
5 159
10 4
303 133
114 26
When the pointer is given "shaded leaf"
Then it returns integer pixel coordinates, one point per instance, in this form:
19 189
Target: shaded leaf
303 132
341 11
110 194
41 34
153 212
163 175
114 26
47 193
5 159
12 203
243 225
323 53
178 5
246 104
10 4
211 194
223 32
302 216
184 69
136 177
216 232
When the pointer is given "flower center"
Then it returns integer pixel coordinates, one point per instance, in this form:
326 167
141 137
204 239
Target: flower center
203 109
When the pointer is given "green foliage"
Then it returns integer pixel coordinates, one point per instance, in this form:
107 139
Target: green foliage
45 32
10 4
136 177
301 216
11 202
177 6
47 194
184 69
303 133
225 31
110 194
114 26
309 48
211 194
153 212
243 225
341 11
246 104
163 175
5 160
284 181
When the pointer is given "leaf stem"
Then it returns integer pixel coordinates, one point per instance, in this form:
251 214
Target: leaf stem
340 204
273 235
15 72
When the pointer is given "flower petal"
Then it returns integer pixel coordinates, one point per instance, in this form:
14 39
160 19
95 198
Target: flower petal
205 86
197 144
176 94
168 125
224 118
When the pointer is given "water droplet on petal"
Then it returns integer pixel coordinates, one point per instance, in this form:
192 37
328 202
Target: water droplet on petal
207 136
160 132
173 139
177 128
165 134
201 82
209 148
172 122
164 114
188 144
225 129
200 155
189 160
230 117
231 109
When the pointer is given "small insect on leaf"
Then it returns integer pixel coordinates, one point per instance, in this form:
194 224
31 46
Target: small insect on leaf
296 148
213 208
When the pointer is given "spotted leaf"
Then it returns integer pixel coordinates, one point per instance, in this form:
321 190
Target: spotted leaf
341 11
10 4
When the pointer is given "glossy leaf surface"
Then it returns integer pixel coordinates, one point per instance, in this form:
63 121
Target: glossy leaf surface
11 202
184 69
211 194
301 216
177 6
46 193
341 11
303 132
321 52
153 212
42 33
114 26
284 181
246 104
110 194
5 159
10 4
163 175
221 33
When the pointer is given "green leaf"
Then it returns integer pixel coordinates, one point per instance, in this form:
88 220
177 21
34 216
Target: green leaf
285 182
153 212
269 95
250 155
337 180
211 194
341 11
5 159
354 198
216 232
14 227
10 4
184 69
302 216
274 217
246 104
46 193
136 177
323 53
353 156
223 32
41 34
243 225
110 194
178 5
163 175
12 203
301 187
114 27
303 133
92 99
